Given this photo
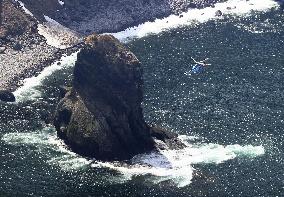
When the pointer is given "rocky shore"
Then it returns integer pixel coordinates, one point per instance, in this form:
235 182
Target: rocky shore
88 16
24 49
24 52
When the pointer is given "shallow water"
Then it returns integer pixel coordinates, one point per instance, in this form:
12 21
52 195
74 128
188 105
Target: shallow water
231 117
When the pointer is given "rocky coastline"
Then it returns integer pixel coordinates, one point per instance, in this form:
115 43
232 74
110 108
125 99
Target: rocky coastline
24 52
87 16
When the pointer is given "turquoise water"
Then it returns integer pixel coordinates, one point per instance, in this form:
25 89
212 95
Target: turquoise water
231 115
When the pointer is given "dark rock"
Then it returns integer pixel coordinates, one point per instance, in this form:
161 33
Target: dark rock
170 139
46 117
218 13
101 116
7 96
33 28
161 134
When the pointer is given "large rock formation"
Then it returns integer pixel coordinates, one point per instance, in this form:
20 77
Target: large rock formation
101 116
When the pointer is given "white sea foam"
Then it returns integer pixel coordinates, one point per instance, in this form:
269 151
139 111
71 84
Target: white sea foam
29 90
24 8
46 141
194 16
57 35
260 27
174 165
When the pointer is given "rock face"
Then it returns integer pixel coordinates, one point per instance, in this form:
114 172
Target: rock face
101 116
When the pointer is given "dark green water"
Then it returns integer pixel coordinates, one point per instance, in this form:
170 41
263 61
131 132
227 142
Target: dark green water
239 99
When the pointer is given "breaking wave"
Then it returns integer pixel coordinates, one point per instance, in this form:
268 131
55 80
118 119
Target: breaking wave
195 16
46 142
30 91
165 165
177 165
31 87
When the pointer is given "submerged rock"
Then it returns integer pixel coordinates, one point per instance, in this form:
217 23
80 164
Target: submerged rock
101 116
7 96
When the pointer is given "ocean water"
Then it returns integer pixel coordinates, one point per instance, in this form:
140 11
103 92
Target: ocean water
231 116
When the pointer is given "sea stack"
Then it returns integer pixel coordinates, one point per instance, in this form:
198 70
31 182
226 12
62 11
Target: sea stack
101 115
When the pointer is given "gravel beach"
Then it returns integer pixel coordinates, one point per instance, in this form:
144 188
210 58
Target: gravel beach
23 51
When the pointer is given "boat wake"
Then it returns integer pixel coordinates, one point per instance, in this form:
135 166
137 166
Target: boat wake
157 167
